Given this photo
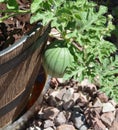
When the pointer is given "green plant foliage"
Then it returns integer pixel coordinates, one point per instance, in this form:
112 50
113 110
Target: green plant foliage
2 1
85 26
12 9
12 4
107 76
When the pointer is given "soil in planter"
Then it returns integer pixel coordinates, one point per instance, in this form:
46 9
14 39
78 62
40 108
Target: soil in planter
14 28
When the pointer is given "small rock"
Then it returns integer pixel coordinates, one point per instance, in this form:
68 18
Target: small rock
60 105
68 95
98 125
75 113
91 114
76 97
79 122
54 127
114 126
60 80
98 110
60 119
52 101
72 82
67 115
85 82
78 118
107 118
30 128
83 127
68 105
50 113
48 123
88 87
49 128
39 123
54 93
116 115
65 127
115 122
76 87
54 83
60 94
90 104
37 128
113 103
97 103
70 123
83 100
40 113
103 97
108 107
77 108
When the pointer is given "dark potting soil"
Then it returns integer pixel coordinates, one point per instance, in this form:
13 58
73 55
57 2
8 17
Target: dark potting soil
14 28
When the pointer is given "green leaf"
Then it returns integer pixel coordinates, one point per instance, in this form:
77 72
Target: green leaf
2 1
12 4
88 25
102 10
45 17
35 5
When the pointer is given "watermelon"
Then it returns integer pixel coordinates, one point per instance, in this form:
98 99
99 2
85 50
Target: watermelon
57 58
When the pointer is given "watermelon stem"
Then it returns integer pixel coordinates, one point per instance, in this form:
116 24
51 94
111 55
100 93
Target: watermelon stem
77 46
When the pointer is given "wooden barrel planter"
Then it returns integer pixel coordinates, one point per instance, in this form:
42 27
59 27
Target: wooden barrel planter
33 105
19 67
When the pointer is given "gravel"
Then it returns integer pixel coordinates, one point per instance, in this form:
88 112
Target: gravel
75 106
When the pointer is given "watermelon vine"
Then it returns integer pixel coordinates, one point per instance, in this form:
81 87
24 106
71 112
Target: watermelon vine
85 27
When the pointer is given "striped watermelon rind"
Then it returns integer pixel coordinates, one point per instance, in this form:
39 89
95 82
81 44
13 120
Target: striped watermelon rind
57 58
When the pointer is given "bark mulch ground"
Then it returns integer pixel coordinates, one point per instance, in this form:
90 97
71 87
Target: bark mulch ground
14 28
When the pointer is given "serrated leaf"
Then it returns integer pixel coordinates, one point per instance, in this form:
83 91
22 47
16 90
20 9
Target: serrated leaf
45 17
102 10
35 5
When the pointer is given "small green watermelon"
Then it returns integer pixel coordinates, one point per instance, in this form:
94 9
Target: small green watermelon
57 58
